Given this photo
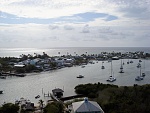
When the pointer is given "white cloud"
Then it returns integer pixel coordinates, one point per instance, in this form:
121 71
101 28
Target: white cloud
130 29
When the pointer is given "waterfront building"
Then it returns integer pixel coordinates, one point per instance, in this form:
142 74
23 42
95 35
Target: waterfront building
86 106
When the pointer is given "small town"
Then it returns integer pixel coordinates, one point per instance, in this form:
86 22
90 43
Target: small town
11 66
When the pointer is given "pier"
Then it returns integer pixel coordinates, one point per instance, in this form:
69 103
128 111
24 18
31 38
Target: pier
47 95
71 97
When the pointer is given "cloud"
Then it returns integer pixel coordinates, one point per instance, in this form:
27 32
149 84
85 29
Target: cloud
86 29
136 12
43 23
53 27
68 27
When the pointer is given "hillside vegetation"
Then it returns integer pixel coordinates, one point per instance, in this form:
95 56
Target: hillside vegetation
114 99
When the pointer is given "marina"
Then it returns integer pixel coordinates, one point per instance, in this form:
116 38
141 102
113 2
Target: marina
34 84
37 84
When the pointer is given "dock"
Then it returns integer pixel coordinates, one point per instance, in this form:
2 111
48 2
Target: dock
12 74
71 97
47 95
65 98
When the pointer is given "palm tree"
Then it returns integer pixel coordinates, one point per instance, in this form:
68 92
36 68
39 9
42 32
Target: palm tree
41 102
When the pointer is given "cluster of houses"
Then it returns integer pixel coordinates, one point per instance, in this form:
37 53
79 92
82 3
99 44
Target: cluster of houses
46 63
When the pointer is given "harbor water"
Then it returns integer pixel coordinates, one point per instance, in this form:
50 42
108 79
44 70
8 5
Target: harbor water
39 83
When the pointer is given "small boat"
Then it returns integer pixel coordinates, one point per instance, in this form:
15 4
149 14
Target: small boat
111 79
131 61
121 68
103 67
138 65
1 91
140 60
20 75
143 75
38 96
82 66
139 78
80 76
128 61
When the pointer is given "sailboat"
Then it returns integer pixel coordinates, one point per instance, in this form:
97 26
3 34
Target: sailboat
103 67
123 62
111 77
140 77
121 68
143 73
138 65
128 61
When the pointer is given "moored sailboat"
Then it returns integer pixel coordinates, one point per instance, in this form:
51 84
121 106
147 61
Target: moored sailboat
103 67
140 77
121 68
111 77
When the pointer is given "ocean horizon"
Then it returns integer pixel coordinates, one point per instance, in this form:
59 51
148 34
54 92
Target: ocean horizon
56 51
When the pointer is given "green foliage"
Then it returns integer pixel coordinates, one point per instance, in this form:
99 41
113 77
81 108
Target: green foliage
126 99
54 107
30 68
20 70
53 64
9 108
91 90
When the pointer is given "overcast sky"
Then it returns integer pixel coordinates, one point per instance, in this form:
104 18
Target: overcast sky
74 23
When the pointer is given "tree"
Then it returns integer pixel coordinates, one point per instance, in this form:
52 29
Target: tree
41 104
9 108
54 107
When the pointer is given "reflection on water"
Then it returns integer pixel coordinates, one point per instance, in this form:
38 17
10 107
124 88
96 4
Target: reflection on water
15 52
31 85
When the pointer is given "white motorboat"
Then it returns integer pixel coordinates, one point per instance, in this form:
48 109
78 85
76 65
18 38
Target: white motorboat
80 76
111 79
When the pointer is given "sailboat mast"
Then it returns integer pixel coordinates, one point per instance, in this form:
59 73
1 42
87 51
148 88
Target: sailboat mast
144 66
111 68
140 71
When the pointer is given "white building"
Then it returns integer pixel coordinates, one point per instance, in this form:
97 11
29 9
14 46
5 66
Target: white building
86 107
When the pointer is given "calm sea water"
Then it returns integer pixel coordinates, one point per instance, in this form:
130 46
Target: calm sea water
16 52
31 85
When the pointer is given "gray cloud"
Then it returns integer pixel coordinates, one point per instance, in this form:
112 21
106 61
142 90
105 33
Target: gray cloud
68 27
53 27
86 29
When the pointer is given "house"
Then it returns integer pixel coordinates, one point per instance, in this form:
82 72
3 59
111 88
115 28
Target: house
86 106
57 92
